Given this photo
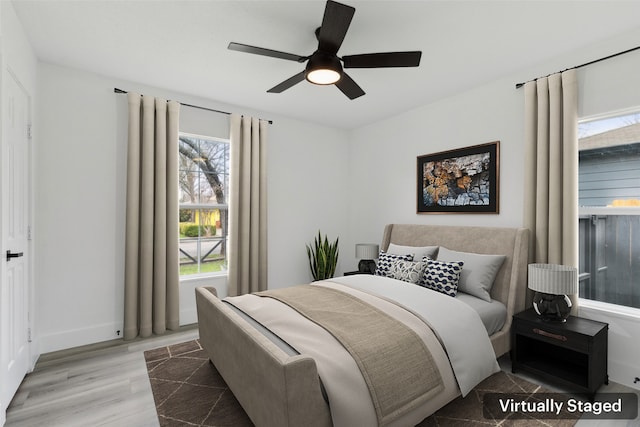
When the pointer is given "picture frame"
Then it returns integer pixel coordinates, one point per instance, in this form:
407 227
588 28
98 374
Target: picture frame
464 180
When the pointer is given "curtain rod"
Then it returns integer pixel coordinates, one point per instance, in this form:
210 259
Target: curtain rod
116 90
519 85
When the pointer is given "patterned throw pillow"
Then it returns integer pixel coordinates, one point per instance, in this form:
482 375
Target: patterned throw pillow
386 260
442 276
407 271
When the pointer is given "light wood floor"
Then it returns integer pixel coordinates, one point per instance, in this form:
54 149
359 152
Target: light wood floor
101 385
107 385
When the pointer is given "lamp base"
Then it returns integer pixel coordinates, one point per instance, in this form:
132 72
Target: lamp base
367 266
555 308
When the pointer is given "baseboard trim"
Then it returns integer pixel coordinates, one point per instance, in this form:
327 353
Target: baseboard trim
623 373
79 337
108 344
48 343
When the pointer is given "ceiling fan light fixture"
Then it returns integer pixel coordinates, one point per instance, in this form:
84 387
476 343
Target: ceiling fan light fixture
323 76
323 69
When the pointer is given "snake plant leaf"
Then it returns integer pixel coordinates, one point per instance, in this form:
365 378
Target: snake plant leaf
323 257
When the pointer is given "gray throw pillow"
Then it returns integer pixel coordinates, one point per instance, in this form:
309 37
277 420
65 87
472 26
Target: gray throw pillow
478 273
418 252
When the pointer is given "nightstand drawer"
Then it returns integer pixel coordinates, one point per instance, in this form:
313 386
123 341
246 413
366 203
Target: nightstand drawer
561 338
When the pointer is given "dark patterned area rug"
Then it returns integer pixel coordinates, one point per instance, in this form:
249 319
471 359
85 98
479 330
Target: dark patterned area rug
189 391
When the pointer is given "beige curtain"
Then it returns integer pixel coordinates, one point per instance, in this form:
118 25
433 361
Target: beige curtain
551 182
247 255
151 252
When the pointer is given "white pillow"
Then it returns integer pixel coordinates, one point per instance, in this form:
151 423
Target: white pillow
478 273
418 252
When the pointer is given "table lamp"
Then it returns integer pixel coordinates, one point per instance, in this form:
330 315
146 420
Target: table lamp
366 252
552 283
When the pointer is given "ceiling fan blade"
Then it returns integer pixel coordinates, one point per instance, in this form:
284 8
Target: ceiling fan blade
335 23
266 52
349 87
382 60
291 81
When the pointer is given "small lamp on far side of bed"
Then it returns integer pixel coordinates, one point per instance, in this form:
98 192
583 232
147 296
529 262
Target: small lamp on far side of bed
552 283
366 252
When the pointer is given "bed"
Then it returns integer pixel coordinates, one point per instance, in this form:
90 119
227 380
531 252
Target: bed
284 384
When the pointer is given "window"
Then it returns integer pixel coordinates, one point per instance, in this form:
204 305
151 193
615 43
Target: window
203 186
609 197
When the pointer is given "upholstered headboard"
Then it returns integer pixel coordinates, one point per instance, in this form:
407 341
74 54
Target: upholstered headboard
510 286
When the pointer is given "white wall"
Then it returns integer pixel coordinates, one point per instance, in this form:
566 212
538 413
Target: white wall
308 191
80 195
383 160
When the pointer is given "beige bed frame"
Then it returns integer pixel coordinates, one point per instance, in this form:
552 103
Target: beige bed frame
280 390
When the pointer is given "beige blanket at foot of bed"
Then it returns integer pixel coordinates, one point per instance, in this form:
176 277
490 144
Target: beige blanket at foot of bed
397 366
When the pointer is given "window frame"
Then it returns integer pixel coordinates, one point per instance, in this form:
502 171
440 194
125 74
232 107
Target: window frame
586 211
205 206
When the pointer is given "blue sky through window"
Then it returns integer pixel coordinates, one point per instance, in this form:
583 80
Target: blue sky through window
593 127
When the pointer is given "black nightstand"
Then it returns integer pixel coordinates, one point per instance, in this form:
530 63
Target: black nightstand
351 273
572 354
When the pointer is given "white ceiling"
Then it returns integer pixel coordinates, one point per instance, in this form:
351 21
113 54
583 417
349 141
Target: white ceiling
181 45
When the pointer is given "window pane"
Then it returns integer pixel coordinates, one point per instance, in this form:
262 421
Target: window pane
202 241
204 177
189 188
204 169
610 259
609 197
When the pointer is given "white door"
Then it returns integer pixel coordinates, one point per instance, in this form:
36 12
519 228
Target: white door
14 280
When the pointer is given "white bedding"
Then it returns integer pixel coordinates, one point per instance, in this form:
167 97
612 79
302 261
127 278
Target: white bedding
471 356
493 314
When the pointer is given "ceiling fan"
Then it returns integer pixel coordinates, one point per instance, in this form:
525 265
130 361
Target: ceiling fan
324 66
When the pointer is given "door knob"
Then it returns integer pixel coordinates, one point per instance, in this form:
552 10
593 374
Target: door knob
13 255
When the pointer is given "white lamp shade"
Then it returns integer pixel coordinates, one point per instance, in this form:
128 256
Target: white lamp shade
367 251
553 279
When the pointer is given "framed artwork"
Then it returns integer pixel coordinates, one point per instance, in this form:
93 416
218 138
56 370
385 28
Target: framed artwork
464 180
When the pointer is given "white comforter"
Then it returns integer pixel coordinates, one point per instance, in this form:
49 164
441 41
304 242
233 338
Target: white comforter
458 327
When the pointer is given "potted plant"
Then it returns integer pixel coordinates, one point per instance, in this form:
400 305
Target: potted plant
323 257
